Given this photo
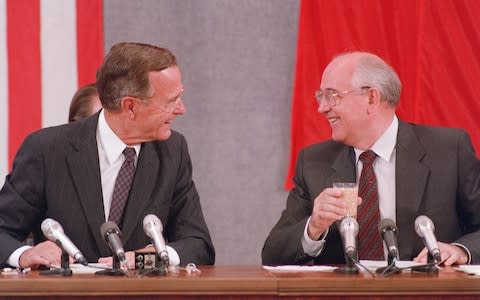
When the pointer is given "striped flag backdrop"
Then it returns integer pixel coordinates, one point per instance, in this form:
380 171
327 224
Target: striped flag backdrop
48 48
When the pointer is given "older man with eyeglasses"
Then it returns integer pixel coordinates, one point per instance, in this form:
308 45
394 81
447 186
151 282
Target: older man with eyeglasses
414 170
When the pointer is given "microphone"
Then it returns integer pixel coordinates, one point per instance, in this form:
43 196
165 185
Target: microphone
111 233
425 229
388 231
153 229
349 231
54 232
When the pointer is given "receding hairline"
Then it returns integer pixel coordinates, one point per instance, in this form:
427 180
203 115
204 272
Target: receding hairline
357 56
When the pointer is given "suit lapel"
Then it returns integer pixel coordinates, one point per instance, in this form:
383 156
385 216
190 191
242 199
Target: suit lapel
344 167
85 172
411 178
145 178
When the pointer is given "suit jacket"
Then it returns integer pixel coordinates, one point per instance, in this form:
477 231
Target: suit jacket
56 174
437 175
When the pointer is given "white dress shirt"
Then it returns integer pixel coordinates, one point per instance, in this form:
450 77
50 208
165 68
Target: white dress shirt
110 157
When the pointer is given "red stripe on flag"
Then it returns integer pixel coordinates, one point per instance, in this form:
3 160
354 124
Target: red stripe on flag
24 71
89 39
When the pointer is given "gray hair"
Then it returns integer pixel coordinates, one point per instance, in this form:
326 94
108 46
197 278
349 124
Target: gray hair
373 71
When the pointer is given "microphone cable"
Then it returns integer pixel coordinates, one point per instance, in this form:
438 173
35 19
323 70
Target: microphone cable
359 264
392 271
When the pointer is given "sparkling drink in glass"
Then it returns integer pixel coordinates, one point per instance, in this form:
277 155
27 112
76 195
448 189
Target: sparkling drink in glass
350 195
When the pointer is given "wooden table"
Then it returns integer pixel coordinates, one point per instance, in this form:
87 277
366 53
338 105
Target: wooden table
448 284
242 282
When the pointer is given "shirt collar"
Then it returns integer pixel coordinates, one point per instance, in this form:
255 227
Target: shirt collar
385 145
111 143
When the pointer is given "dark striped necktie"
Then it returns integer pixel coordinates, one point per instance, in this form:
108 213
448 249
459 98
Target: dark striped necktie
370 244
122 186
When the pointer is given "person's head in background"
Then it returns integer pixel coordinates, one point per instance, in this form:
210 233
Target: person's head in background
140 87
358 95
85 102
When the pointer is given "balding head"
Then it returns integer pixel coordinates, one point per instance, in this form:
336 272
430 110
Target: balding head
367 69
358 95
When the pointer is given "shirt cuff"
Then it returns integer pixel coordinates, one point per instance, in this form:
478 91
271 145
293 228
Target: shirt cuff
14 258
311 247
173 258
466 250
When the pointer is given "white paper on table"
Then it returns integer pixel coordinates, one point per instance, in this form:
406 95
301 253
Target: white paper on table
294 268
90 269
370 264
469 269
375 264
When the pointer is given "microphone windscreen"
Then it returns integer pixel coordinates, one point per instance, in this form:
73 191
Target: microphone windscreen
109 227
421 223
386 223
152 219
349 223
48 225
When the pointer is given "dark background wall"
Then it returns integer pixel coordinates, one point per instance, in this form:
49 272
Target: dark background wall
237 59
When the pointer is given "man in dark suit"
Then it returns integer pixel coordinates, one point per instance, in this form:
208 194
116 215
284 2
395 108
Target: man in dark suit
420 170
68 172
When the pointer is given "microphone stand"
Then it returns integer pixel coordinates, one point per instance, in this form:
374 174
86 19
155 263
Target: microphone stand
429 268
115 270
64 269
350 267
390 267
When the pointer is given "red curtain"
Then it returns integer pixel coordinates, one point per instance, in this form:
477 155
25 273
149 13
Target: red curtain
434 46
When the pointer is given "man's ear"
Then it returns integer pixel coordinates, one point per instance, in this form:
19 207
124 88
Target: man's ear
373 96
374 99
128 105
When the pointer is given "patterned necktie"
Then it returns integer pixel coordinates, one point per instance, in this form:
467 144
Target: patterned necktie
122 186
370 244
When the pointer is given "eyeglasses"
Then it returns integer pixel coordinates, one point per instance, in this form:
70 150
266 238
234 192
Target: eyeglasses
331 96
169 107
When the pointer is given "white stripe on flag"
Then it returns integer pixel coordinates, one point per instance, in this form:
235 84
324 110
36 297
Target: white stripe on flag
3 93
59 59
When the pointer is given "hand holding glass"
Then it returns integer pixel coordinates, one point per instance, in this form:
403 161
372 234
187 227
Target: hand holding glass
350 195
